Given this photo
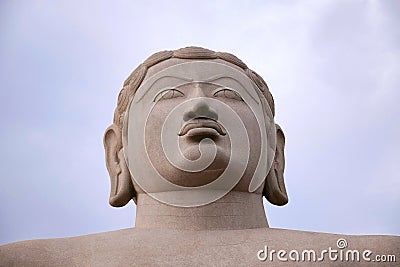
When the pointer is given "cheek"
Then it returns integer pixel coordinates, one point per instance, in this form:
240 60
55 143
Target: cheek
153 127
250 122
253 131
158 114
254 135
252 127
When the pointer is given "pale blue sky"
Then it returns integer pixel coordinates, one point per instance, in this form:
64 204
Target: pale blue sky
332 66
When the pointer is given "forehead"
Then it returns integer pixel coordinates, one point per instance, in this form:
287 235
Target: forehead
175 61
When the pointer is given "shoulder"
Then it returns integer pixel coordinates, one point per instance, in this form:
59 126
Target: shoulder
72 251
42 252
151 247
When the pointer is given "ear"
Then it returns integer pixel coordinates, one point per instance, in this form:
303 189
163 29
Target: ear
122 190
274 187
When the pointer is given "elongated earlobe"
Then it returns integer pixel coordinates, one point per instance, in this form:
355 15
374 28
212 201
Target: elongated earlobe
122 190
274 188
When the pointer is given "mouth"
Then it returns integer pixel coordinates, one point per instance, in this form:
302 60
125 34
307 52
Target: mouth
202 126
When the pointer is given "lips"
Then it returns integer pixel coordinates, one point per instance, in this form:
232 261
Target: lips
202 123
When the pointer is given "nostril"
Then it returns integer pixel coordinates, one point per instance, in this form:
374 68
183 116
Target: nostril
201 110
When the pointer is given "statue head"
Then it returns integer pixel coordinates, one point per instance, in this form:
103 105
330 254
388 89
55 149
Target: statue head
192 125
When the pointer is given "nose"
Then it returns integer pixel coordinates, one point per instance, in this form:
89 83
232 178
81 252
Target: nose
200 110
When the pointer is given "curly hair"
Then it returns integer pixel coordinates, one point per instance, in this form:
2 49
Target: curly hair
135 79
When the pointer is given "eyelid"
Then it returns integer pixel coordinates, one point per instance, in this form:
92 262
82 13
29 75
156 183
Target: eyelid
221 89
164 91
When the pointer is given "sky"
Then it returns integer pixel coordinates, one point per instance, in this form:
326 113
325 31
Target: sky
333 68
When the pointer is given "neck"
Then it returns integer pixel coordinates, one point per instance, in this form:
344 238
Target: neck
236 210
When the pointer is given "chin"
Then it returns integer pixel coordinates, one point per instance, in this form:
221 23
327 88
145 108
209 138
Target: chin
194 179
220 161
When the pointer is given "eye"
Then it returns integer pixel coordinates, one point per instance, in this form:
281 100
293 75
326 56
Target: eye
226 93
168 94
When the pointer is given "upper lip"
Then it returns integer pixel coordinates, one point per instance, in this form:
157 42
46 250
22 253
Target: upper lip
202 123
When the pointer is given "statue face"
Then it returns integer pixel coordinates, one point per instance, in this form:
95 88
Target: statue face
196 130
199 121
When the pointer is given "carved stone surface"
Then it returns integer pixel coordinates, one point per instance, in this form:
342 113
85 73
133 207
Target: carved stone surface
195 145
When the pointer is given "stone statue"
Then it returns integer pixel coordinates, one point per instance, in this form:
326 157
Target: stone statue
195 146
